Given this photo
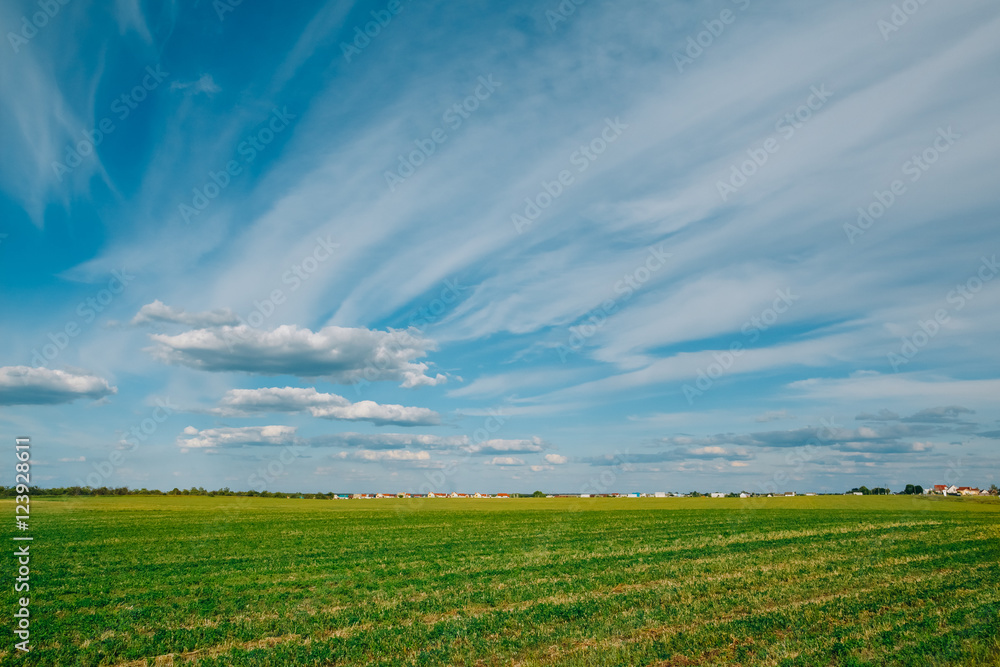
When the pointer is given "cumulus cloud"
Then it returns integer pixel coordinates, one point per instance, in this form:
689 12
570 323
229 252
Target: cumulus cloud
242 402
278 399
157 311
377 413
24 385
556 459
500 446
244 436
343 355
505 461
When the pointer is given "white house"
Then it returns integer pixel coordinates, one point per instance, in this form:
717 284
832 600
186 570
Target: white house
717 494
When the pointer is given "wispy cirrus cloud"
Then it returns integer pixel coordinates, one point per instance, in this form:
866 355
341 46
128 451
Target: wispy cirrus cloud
459 443
157 311
203 84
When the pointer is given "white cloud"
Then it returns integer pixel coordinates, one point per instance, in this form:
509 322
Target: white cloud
497 446
377 413
157 311
203 84
875 386
344 355
385 455
388 440
773 415
701 451
505 461
24 385
239 402
215 438
279 399
557 459
461 443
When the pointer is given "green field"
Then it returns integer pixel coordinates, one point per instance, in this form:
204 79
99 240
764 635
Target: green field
666 582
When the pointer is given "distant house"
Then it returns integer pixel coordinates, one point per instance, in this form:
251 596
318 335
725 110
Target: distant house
717 494
503 495
660 494
858 493
968 491
810 494
635 494
789 494
744 494
584 495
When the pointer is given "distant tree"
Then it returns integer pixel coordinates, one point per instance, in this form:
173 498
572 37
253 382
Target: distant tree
695 494
918 490
538 494
909 490
994 490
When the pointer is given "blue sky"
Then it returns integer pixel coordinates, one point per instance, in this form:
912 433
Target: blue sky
501 246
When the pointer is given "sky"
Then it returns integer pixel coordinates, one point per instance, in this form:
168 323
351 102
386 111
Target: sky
580 247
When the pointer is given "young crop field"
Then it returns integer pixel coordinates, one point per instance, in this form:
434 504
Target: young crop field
663 582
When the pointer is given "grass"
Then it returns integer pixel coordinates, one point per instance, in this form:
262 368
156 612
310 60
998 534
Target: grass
664 582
